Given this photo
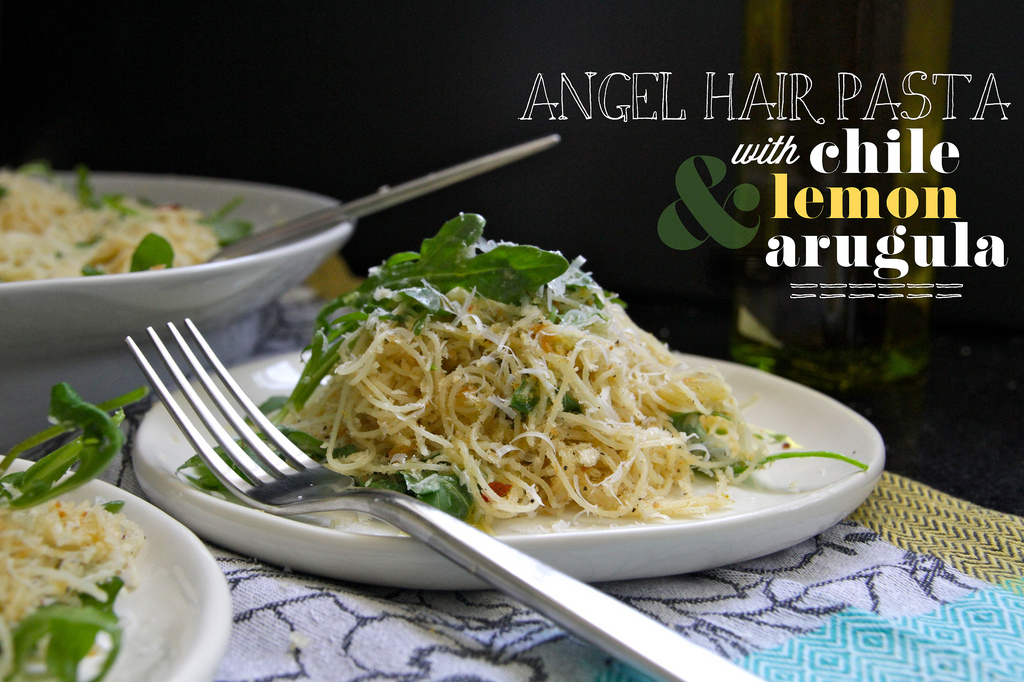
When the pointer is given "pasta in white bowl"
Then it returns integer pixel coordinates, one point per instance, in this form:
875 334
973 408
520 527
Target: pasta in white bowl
73 328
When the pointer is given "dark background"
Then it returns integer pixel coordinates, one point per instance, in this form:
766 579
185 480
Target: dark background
341 98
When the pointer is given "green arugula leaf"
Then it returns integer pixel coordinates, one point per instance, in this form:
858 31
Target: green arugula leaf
570 404
442 490
39 167
823 454
68 634
273 404
387 482
507 273
227 208
92 271
323 357
100 441
452 242
85 194
116 202
3 191
526 395
114 506
58 429
689 423
195 472
153 251
228 230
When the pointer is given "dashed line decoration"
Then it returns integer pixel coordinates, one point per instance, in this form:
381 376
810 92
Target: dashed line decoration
829 294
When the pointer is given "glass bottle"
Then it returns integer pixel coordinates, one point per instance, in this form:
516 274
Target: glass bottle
833 327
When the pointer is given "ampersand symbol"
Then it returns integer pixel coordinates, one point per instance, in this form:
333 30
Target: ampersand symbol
712 217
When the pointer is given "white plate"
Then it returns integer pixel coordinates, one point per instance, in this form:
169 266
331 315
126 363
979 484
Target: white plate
177 622
782 505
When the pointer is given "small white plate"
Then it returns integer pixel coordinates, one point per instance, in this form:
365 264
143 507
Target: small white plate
780 506
177 622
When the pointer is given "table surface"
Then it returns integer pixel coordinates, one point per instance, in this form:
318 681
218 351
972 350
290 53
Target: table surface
888 592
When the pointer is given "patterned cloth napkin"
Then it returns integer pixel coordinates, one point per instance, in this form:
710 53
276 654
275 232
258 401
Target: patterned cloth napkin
914 585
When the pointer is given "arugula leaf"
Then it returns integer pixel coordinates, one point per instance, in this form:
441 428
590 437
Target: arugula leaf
92 271
153 251
323 357
442 490
230 206
58 429
68 634
86 197
824 454
689 423
114 506
3 191
273 404
116 202
100 441
39 167
387 482
507 273
228 230
195 472
526 396
570 404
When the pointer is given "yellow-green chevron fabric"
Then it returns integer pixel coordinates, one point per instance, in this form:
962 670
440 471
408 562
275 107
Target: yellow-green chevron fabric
978 541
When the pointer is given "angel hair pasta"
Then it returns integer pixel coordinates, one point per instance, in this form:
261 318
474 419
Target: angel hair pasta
505 373
47 232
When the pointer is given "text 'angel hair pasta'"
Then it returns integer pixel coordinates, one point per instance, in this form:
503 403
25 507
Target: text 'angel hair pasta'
48 232
557 403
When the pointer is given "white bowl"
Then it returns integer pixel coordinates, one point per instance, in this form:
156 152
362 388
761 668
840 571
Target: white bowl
74 329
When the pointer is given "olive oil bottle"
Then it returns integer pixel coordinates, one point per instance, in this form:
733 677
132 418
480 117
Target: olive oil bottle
831 326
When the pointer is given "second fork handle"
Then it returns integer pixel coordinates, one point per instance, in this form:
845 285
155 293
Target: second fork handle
590 614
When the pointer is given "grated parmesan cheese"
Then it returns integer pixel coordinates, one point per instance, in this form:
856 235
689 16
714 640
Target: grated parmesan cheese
54 551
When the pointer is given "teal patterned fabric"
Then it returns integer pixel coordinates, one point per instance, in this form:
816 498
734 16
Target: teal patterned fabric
978 637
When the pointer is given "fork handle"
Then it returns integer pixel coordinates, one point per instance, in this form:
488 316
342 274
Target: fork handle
581 609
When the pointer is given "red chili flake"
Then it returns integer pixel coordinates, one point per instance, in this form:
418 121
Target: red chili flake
501 488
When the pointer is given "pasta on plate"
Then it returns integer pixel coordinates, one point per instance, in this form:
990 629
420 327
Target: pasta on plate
499 381
531 398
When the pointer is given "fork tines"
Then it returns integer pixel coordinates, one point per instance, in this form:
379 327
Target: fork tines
261 464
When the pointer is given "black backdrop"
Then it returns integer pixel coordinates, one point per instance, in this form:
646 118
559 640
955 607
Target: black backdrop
340 98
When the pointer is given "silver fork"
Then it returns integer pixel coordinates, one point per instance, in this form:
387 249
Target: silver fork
289 482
